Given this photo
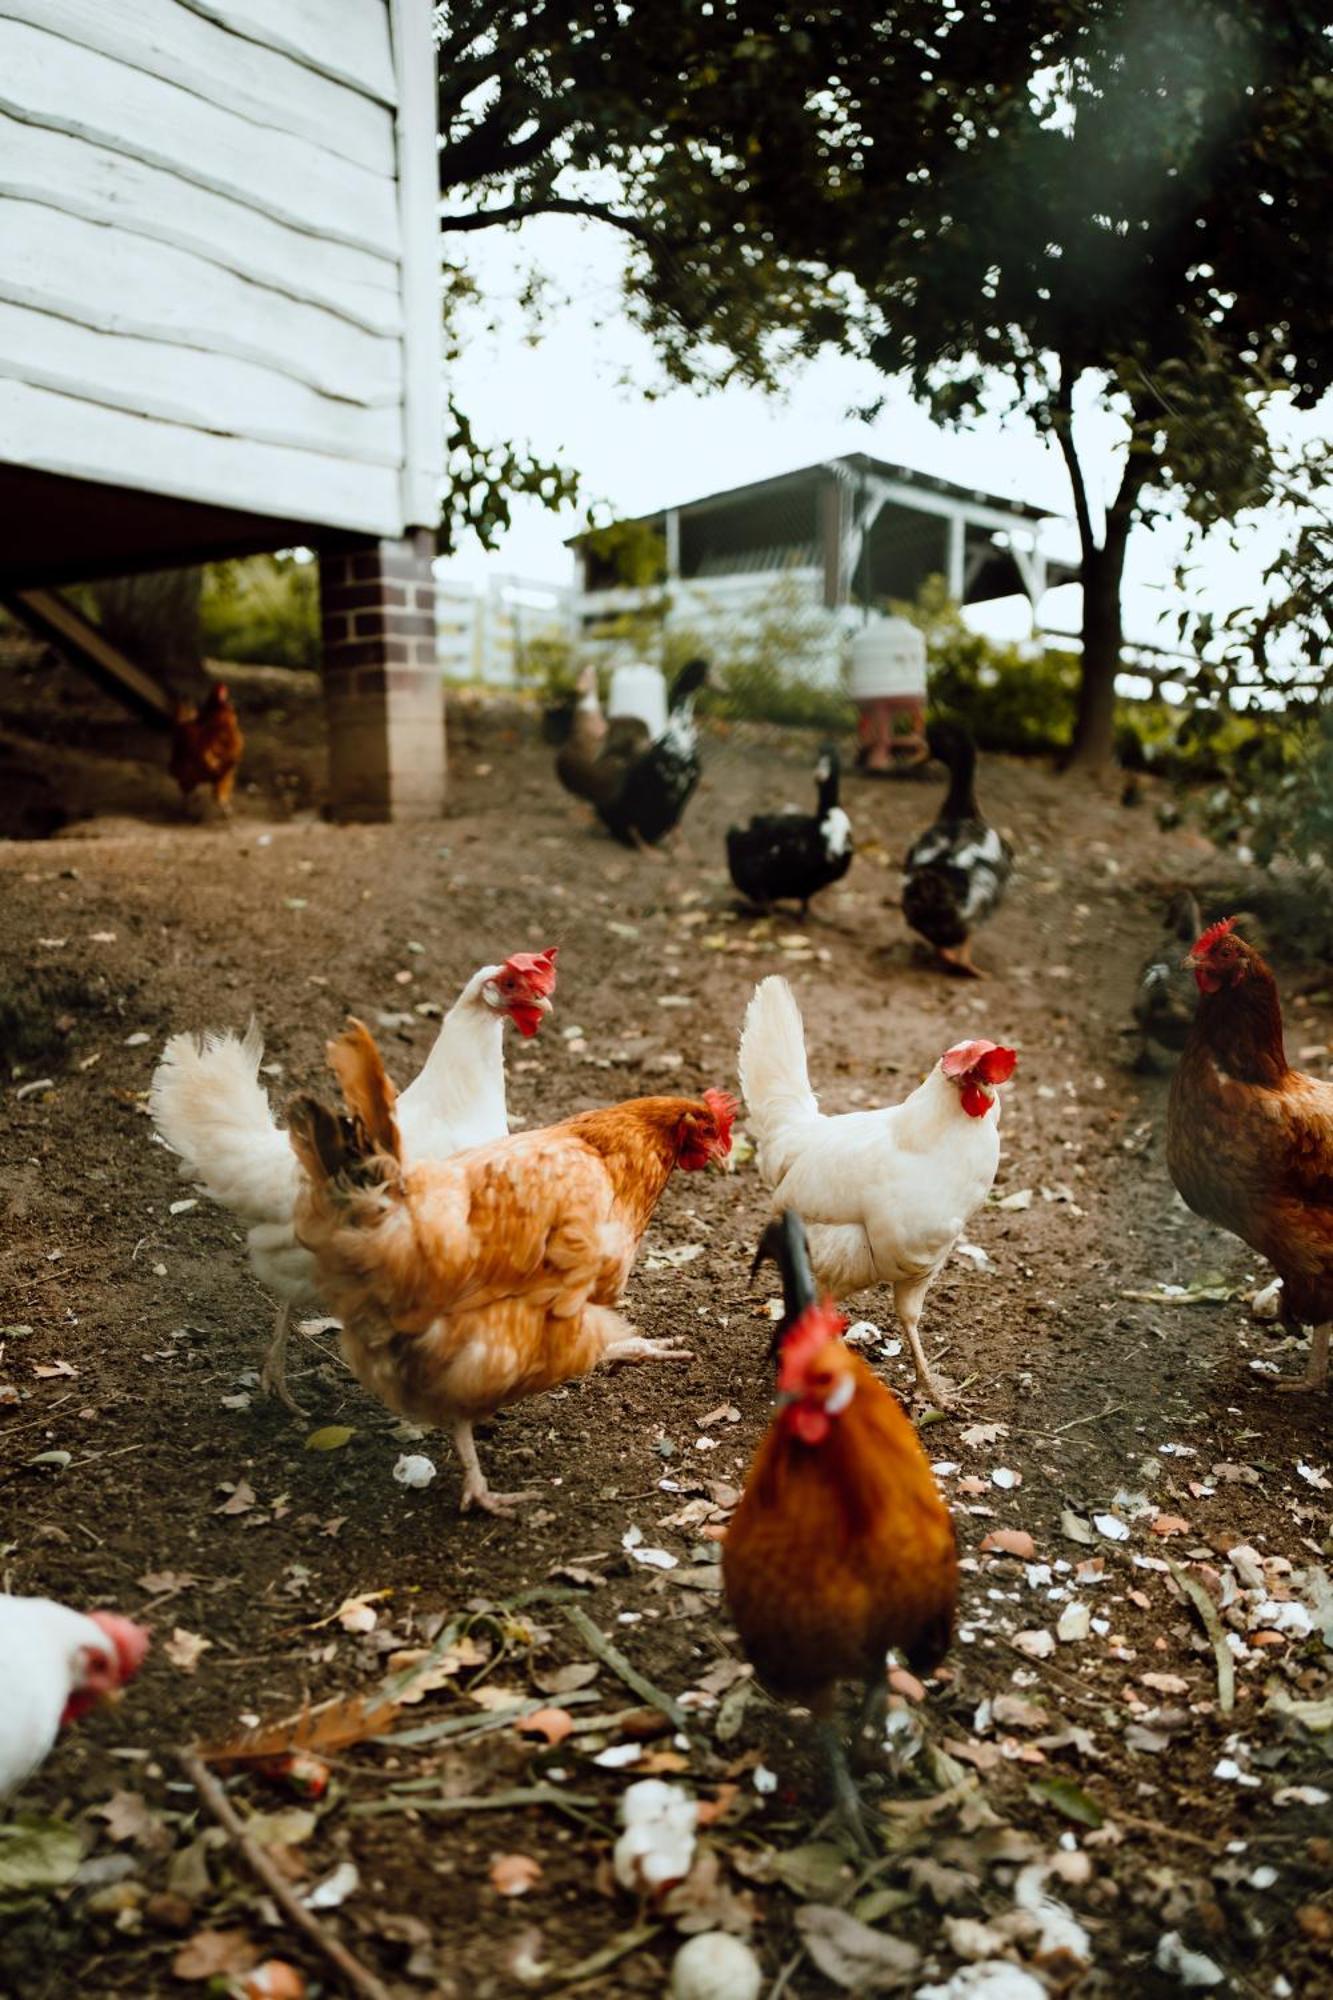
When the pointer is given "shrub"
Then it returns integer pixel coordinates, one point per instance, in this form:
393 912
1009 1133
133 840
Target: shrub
1010 699
263 610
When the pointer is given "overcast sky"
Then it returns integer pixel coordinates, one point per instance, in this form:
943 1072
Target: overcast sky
588 390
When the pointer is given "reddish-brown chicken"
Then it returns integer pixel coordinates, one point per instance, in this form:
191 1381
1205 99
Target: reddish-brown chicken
1249 1140
465 1284
206 745
841 1547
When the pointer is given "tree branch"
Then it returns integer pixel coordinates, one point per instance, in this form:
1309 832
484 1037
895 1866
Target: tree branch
483 153
521 211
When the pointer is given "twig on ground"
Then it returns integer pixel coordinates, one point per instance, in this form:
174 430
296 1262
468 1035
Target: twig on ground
261 1866
601 1961
611 1656
1212 1625
577 1805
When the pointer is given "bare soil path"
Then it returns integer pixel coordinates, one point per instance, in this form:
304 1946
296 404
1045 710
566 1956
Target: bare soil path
140 1465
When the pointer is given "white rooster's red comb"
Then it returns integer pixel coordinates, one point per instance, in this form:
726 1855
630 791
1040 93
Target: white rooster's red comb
535 968
987 1062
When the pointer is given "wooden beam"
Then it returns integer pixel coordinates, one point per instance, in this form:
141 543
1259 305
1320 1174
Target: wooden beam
47 614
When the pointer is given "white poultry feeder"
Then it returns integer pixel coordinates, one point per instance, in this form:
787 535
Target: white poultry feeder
888 681
639 690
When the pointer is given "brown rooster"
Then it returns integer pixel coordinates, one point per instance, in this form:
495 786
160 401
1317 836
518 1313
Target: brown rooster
465 1284
841 1547
206 745
1249 1140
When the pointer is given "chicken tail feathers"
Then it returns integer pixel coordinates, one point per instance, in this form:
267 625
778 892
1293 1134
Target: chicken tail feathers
366 1087
209 1106
775 1078
358 1147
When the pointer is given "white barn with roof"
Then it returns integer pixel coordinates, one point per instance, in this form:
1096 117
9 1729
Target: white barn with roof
818 543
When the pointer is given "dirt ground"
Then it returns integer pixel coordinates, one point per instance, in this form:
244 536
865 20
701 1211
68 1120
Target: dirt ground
140 1465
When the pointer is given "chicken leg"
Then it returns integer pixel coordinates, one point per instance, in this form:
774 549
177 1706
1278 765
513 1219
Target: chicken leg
476 1492
1316 1375
848 1812
273 1370
908 1298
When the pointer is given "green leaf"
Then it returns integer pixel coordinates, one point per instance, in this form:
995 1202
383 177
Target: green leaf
37 1855
332 1438
816 1871
1067 1798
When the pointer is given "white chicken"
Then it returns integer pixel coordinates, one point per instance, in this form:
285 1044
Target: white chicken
55 1664
885 1194
209 1106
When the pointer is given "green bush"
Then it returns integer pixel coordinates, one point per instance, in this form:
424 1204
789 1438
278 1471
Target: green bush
1010 699
262 611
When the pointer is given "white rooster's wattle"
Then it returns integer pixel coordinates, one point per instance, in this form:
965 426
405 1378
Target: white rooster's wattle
210 1107
55 1664
885 1194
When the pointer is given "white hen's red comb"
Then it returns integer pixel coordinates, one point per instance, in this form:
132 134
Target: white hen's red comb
988 1062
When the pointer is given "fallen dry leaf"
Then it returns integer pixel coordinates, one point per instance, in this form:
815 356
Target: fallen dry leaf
186 1649
212 1954
1170 1524
240 1497
515 1874
128 1817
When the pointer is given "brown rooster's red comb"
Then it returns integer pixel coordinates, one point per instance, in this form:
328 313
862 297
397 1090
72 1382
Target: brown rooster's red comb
1213 935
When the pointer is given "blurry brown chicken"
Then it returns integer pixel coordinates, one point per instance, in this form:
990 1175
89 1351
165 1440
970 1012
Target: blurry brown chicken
465 1284
1249 1139
206 745
841 1547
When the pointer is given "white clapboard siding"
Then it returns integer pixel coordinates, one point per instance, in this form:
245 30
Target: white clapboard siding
344 39
260 84
64 172
53 82
181 385
129 284
419 207
87 440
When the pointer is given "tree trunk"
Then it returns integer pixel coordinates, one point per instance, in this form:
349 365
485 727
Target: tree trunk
1094 726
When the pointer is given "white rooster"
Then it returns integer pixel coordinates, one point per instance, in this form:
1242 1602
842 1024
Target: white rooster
209 1106
55 1664
885 1194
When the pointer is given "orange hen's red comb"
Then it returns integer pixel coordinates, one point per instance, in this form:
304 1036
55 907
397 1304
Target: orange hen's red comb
724 1108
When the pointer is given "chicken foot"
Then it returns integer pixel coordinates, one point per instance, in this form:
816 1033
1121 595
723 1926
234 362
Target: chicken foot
634 1347
476 1492
1316 1374
908 1299
273 1370
958 960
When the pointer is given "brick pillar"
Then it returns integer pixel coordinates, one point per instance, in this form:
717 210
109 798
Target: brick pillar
383 691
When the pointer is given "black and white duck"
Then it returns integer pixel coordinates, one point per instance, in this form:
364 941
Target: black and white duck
788 857
956 873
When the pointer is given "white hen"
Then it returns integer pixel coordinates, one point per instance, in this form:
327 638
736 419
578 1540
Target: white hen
54 1665
885 1194
209 1106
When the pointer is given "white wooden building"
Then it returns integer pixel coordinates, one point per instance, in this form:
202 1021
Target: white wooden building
219 314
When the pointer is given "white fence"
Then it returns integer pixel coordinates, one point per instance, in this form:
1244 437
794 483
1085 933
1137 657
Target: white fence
482 634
